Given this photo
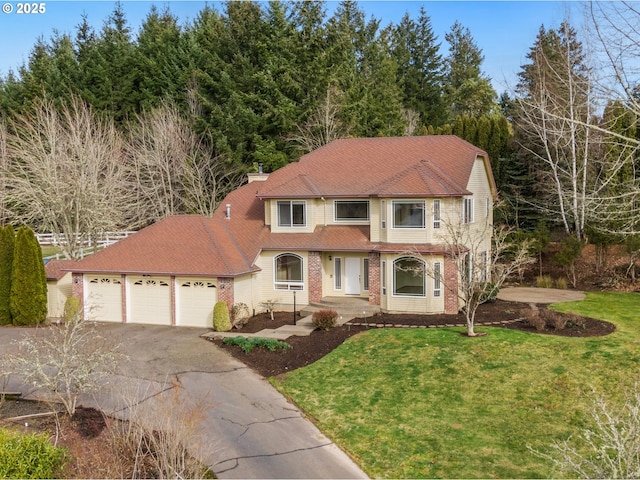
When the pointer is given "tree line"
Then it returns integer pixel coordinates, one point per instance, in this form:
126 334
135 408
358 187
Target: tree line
177 113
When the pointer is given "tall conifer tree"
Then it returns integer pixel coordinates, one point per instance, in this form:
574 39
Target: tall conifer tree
28 299
7 241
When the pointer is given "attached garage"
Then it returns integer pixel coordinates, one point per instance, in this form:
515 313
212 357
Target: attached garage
103 297
149 300
195 298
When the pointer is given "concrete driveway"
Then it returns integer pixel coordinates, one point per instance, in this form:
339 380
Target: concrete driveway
540 295
249 429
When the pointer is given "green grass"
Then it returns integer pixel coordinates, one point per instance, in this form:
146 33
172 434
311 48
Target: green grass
432 403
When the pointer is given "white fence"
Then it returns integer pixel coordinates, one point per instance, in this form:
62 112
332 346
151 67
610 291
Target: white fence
92 244
102 240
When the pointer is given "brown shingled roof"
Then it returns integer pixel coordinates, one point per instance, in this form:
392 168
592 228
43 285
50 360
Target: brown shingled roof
217 246
439 165
56 269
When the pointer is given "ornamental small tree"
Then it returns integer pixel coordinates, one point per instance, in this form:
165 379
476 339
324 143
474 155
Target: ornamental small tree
28 300
7 244
221 319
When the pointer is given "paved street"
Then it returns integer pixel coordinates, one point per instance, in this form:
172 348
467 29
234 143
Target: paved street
249 429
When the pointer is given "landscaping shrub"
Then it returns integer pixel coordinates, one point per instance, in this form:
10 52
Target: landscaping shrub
324 319
28 456
489 293
240 315
544 282
536 320
248 344
71 308
221 319
556 319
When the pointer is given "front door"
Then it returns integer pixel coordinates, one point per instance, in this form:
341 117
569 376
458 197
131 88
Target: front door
352 276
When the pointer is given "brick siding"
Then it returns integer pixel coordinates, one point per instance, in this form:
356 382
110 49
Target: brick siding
374 278
225 291
451 286
315 277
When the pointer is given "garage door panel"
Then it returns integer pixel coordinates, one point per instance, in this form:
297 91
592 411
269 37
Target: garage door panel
196 298
104 298
149 300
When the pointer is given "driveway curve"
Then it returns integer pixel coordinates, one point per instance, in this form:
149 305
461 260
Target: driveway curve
539 295
249 429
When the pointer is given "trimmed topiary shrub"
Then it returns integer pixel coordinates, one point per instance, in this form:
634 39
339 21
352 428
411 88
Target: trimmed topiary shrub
324 319
7 245
28 299
221 319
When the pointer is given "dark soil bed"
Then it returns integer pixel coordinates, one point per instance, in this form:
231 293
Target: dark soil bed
307 350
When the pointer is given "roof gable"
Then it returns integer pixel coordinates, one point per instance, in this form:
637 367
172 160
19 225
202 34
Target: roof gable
441 164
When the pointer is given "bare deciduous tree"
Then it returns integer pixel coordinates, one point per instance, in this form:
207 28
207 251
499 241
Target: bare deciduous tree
484 258
610 448
66 360
65 174
324 125
173 170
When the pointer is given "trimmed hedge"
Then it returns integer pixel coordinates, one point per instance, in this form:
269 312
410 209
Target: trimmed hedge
248 344
28 301
221 319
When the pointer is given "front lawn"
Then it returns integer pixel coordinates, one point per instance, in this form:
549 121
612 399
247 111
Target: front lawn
432 403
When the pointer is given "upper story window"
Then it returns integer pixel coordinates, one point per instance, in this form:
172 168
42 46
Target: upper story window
436 214
408 214
467 210
351 210
291 213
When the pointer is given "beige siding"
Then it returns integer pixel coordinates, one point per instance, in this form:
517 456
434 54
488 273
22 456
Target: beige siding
245 291
57 294
310 212
375 232
427 304
267 289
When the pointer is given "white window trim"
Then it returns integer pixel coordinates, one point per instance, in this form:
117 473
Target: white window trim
337 273
291 204
437 212
424 280
383 214
467 216
383 277
411 227
437 279
292 285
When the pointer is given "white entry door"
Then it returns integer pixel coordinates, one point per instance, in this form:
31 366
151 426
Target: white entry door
352 276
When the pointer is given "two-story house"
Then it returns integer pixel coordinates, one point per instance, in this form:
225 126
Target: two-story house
355 218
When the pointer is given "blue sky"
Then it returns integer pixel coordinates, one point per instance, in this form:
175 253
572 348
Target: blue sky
504 30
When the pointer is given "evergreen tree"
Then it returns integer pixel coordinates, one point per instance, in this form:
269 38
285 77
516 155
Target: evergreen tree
467 90
28 300
161 59
420 67
7 240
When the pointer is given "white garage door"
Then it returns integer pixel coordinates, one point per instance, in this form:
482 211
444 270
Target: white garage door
149 300
103 298
195 300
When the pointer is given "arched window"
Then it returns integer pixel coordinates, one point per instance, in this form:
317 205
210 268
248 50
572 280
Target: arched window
288 272
409 277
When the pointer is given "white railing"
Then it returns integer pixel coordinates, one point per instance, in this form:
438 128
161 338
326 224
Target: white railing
93 244
103 240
